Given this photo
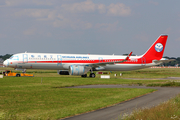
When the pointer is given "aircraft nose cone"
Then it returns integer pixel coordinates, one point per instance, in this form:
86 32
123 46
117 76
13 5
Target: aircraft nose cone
5 63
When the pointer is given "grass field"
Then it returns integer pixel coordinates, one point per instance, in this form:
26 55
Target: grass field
169 110
143 73
45 96
26 97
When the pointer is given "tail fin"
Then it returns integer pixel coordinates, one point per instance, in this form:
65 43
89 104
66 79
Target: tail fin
155 52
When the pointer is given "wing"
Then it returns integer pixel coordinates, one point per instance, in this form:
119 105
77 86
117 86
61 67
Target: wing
110 63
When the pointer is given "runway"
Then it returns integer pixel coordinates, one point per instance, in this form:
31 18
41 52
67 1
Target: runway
113 113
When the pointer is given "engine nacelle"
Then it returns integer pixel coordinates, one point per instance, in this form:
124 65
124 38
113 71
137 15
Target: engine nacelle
78 70
63 72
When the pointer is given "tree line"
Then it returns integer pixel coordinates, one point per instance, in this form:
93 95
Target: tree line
172 63
4 57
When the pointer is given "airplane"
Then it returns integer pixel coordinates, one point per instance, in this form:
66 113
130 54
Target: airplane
80 64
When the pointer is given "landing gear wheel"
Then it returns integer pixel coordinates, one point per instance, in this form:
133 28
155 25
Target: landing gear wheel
18 75
92 75
85 75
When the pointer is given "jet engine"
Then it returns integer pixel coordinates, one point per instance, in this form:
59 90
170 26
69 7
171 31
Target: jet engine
78 70
63 72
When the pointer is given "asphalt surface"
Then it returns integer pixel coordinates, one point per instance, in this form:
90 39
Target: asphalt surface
117 111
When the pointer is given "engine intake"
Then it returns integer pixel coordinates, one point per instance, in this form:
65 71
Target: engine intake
63 72
78 70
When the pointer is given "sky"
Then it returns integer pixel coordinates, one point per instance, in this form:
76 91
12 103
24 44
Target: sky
88 26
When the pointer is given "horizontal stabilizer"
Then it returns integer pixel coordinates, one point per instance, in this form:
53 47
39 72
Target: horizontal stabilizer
163 60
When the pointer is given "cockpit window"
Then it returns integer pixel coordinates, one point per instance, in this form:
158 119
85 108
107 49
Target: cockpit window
14 58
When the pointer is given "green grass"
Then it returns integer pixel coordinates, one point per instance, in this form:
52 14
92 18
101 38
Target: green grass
152 73
59 82
26 97
143 73
169 110
174 83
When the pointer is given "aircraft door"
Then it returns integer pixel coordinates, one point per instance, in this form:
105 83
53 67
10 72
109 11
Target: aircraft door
100 59
25 58
59 60
143 61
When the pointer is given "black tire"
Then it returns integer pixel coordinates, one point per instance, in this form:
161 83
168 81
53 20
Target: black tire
18 75
85 75
92 75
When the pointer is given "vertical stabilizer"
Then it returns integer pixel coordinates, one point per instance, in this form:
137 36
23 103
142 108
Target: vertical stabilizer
155 52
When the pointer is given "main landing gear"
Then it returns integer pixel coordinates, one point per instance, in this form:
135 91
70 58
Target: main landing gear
85 75
91 75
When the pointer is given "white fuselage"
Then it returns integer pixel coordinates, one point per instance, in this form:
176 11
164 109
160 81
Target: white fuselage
63 61
80 64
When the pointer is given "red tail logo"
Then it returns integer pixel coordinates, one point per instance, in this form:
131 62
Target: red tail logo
155 52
